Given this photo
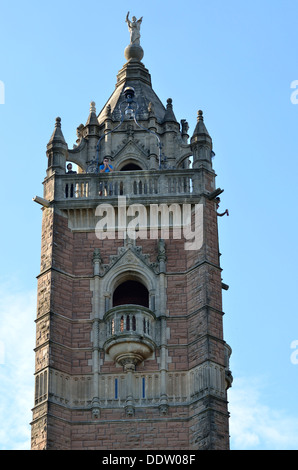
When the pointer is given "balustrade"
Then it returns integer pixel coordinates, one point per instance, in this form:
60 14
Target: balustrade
137 183
130 333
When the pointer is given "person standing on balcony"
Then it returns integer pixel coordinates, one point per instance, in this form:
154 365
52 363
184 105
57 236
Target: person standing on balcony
69 169
105 167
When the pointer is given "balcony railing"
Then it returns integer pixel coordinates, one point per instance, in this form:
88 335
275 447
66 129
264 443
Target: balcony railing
130 333
130 183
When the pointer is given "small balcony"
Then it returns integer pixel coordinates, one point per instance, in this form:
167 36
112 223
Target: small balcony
130 332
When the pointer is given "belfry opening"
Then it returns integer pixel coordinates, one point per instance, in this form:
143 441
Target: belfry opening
131 292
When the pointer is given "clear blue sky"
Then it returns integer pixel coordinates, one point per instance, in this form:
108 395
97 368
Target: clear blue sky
235 61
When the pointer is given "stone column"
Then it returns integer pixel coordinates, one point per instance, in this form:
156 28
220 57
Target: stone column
163 325
129 368
96 309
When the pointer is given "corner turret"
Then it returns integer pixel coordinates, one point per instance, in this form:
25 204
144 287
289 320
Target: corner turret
201 144
57 151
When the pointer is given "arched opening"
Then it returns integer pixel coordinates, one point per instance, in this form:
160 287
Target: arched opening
186 163
131 292
131 167
72 167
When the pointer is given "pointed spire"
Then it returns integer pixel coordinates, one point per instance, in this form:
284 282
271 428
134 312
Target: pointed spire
57 150
169 115
200 129
57 136
92 119
201 144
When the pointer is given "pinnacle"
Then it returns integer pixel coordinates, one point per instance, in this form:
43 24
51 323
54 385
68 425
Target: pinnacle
57 136
92 119
169 114
200 129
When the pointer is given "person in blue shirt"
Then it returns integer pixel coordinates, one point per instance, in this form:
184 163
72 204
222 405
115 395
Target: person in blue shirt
105 167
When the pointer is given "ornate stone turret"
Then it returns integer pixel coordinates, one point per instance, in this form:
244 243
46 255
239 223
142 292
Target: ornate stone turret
92 132
201 144
56 150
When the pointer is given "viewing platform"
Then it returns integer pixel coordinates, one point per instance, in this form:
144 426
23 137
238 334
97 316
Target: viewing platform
147 184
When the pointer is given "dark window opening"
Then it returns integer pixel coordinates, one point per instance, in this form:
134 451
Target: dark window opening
131 167
116 389
131 292
69 190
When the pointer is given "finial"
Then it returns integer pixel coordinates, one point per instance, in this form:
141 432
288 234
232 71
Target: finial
58 122
169 103
92 107
200 116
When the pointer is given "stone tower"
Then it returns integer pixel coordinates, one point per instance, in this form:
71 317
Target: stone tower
130 352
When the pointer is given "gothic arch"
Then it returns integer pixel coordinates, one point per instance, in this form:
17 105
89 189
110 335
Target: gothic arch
131 152
130 165
182 160
131 267
131 159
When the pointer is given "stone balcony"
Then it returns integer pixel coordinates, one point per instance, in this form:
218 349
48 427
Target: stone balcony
133 184
130 333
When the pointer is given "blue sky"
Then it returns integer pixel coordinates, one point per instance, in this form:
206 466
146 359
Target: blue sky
235 61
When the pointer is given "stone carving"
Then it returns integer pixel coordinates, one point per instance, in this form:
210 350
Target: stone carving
163 409
161 250
129 410
184 126
129 253
162 257
134 27
95 408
